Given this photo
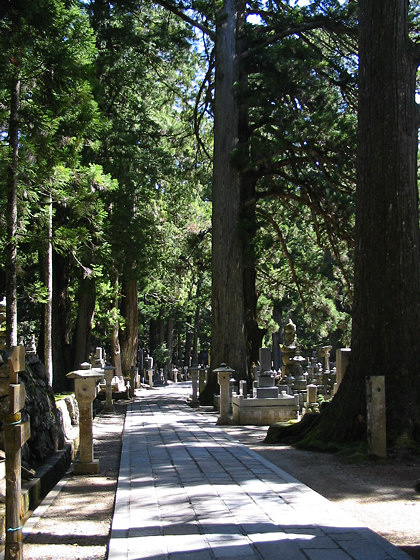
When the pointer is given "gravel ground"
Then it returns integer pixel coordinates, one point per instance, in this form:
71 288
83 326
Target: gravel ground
73 523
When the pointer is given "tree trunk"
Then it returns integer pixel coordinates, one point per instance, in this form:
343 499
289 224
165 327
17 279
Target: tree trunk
48 271
115 340
62 362
170 342
196 326
386 315
129 337
228 314
386 312
278 336
11 216
188 343
86 298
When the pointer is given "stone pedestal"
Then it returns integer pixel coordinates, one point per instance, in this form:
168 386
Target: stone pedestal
85 381
265 411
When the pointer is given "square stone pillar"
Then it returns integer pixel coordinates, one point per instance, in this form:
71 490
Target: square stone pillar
223 378
342 358
109 374
193 371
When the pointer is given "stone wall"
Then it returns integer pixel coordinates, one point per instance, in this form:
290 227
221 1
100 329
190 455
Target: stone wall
40 407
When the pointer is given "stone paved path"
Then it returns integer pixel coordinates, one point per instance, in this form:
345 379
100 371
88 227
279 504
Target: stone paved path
187 491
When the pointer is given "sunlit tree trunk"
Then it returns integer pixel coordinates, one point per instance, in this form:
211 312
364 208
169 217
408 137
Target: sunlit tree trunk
48 266
11 216
228 342
115 341
129 337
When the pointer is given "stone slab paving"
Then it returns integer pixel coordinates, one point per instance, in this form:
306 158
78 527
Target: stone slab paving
188 491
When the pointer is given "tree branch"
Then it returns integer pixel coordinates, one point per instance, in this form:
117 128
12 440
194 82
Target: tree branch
286 253
180 13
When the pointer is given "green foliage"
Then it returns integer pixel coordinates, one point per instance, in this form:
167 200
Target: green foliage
111 107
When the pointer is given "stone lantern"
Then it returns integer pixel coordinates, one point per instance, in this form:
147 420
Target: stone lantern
85 381
224 374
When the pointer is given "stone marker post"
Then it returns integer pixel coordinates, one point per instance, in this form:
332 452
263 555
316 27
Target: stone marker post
311 393
150 374
224 373
376 415
133 380
109 374
16 434
201 380
342 358
193 371
85 381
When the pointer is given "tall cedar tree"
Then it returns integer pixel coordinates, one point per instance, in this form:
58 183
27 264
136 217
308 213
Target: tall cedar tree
386 314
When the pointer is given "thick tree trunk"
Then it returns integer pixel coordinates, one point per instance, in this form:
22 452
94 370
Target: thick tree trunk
11 217
170 342
196 326
115 340
278 336
386 316
129 336
188 344
62 362
48 271
86 298
228 315
386 312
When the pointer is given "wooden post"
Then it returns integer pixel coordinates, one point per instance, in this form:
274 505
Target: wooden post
16 433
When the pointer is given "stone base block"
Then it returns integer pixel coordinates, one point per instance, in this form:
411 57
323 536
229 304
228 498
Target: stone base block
87 468
264 412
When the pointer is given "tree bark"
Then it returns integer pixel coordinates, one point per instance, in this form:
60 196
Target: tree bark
170 342
196 326
86 298
386 312
278 336
386 315
48 271
129 336
62 362
11 217
115 340
228 314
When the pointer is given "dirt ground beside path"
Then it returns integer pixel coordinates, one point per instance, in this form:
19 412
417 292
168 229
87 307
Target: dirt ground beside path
380 494
73 523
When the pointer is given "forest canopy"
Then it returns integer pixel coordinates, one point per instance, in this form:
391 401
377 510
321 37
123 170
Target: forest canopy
151 205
